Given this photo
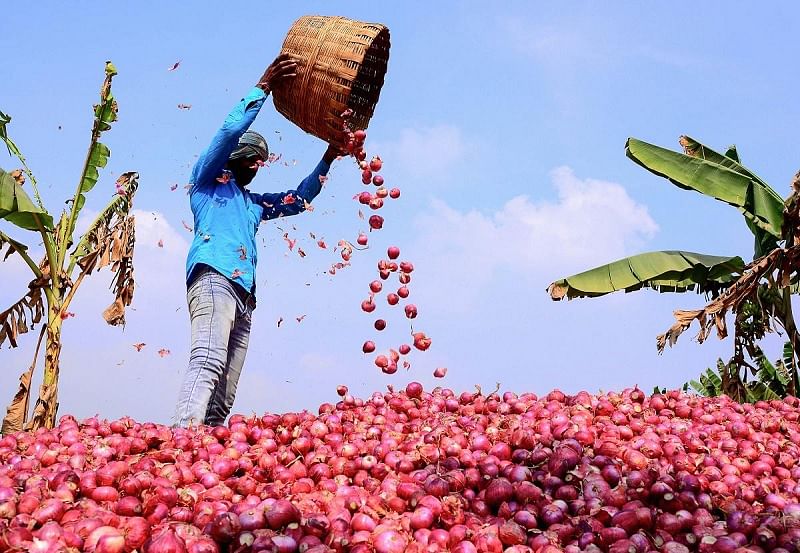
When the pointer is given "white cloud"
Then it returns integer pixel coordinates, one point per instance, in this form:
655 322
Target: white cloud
152 226
425 151
159 271
592 222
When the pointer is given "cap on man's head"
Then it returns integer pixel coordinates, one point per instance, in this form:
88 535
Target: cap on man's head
251 144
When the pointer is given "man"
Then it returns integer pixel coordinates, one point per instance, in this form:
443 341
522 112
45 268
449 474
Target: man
220 269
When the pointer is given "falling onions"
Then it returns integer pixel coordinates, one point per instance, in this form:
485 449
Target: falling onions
354 145
419 471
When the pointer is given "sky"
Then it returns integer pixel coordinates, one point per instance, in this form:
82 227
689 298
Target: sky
504 126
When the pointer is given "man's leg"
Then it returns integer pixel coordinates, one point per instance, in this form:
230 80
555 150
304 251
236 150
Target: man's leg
212 308
225 393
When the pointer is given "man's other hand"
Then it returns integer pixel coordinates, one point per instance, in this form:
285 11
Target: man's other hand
332 153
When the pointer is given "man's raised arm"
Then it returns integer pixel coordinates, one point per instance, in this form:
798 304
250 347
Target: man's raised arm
211 162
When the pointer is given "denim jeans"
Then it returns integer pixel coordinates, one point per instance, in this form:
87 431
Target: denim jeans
220 316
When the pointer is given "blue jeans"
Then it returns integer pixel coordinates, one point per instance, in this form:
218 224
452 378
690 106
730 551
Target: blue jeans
220 315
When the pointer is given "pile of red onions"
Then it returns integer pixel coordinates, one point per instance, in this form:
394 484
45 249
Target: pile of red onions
418 471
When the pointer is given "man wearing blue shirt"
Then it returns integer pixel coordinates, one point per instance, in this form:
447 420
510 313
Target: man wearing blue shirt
221 265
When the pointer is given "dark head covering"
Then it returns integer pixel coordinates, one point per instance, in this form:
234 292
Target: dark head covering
251 144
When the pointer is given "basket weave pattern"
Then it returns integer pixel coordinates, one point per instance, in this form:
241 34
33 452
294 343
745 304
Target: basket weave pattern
341 64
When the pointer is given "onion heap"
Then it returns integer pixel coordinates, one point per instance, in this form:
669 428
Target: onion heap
417 471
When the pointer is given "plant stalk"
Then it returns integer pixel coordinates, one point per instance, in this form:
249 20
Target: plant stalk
46 409
787 319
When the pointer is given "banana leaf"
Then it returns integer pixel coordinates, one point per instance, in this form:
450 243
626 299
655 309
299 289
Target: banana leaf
14 150
105 113
764 241
731 153
710 384
665 271
16 206
759 391
4 121
771 374
729 160
13 245
98 158
711 381
788 357
718 176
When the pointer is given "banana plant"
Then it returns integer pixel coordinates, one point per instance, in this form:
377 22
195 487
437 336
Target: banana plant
748 287
109 241
772 380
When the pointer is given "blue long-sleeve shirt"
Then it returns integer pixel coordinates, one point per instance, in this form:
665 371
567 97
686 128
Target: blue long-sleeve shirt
226 216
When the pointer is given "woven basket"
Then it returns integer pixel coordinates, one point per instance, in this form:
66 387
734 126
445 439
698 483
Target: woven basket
341 64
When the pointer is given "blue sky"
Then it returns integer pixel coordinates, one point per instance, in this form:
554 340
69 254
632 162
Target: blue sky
504 127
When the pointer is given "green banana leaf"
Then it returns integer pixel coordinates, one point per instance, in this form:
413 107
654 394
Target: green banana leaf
760 391
14 151
729 160
765 242
10 145
16 206
788 357
5 120
731 152
720 177
665 271
98 158
13 245
710 384
105 113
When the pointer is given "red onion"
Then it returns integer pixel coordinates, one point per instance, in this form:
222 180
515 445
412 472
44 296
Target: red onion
498 491
464 547
321 548
164 540
136 531
129 506
437 487
105 539
104 493
50 509
511 533
563 460
422 517
390 541
202 544
362 522
414 389
283 544
224 527
252 519
280 514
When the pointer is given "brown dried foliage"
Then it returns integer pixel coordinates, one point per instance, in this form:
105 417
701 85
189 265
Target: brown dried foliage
23 315
17 412
114 247
778 267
